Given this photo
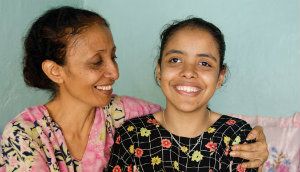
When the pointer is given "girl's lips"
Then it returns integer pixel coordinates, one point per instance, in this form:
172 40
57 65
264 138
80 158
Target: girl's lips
187 90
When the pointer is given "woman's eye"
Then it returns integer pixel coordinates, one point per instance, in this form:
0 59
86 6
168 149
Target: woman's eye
97 63
205 64
174 60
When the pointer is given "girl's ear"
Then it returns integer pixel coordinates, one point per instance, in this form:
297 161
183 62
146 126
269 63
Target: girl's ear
157 73
53 71
221 78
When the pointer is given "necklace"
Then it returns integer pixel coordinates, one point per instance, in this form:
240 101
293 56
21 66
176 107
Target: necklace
177 142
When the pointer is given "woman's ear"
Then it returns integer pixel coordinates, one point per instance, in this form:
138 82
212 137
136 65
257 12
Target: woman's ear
221 79
53 71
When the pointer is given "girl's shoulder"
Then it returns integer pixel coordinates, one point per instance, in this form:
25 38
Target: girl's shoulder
231 126
146 122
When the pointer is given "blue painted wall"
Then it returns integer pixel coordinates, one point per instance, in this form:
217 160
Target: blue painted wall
15 19
263 54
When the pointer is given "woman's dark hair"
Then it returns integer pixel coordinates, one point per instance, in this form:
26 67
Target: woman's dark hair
196 23
47 39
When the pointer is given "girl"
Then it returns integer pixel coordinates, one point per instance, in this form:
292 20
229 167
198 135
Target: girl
187 135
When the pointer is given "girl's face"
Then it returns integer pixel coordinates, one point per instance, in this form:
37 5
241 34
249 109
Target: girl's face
90 69
189 72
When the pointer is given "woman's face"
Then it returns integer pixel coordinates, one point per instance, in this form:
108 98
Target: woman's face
90 70
190 72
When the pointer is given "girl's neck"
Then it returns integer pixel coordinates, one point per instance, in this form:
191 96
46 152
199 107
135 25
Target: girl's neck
186 124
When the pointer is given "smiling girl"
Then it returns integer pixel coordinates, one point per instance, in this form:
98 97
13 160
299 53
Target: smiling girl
187 135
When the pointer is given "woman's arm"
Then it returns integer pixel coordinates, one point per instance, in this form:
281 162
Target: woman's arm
239 132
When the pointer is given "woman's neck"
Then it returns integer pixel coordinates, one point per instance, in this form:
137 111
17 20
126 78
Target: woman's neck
72 117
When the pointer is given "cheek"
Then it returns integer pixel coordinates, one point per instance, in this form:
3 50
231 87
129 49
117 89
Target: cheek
168 73
211 78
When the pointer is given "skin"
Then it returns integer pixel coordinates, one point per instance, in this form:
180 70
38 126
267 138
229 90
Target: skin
84 82
189 75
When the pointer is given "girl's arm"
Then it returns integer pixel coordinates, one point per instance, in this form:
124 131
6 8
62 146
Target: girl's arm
122 152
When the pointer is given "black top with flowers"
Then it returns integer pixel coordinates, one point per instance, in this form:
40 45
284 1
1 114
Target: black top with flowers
141 144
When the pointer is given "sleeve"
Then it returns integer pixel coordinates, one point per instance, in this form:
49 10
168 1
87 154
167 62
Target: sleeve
20 152
240 130
121 158
122 108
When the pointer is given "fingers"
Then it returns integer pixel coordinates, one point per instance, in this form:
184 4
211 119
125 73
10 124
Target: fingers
252 164
243 154
256 133
252 147
257 153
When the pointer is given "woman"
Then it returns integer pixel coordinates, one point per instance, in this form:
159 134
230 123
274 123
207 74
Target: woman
187 135
71 53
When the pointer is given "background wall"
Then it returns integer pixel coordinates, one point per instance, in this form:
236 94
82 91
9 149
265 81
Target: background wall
15 19
262 37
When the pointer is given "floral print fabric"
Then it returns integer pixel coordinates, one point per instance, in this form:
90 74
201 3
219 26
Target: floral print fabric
141 144
34 142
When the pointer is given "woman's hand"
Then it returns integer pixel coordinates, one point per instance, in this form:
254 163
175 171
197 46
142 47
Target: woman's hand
257 153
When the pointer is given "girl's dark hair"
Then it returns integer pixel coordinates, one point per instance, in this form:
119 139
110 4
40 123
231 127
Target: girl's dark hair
197 23
47 39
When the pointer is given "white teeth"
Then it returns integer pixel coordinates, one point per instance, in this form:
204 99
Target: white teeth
105 88
188 89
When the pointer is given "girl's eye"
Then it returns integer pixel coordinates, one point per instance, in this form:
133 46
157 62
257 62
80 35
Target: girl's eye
205 64
174 60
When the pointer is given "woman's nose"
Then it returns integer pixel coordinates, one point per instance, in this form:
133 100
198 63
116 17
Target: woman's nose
112 70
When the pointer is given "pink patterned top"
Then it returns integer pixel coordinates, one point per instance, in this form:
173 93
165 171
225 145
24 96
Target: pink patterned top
34 142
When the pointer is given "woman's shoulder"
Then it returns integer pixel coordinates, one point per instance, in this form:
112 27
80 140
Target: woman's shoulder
24 122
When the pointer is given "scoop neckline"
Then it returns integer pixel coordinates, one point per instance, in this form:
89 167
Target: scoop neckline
189 138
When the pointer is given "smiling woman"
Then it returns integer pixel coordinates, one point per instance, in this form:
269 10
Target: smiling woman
71 53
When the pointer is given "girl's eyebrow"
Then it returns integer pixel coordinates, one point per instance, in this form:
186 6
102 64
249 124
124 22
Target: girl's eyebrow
172 51
208 55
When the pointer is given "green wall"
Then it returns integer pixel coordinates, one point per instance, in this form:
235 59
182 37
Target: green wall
15 19
263 54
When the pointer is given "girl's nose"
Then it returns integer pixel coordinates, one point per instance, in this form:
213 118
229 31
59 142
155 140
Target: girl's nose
189 71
